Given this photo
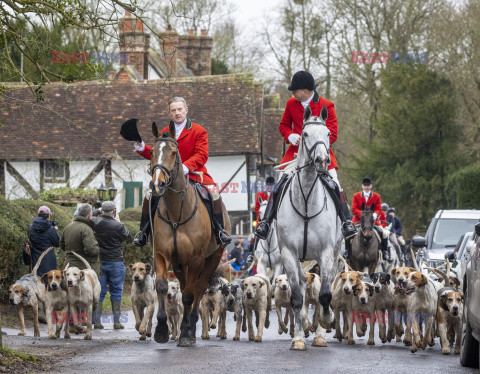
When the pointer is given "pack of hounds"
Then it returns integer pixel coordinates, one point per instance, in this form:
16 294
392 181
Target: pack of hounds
405 303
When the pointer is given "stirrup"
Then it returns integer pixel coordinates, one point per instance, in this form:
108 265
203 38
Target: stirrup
348 229
224 238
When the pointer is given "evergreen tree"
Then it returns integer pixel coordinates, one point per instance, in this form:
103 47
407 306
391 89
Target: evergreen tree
415 146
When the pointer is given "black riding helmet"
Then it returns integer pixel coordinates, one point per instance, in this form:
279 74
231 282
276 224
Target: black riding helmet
302 80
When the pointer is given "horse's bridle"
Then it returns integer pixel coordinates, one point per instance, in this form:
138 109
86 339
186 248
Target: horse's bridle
367 228
168 173
312 148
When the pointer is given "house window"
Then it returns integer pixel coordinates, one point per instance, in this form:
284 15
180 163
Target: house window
55 171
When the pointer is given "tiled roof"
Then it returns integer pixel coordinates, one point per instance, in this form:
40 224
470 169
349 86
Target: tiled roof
82 120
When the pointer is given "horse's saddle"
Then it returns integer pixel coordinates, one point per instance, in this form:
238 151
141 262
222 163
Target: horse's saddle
205 196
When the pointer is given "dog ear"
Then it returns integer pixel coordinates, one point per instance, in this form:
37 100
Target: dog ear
82 275
276 280
44 279
456 281
148 268
412 269
424 280
388 279
393 271
370 290
63 284
261 283
354 289
130 267
224 290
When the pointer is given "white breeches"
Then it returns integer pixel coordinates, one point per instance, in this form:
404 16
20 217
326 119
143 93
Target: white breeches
334 175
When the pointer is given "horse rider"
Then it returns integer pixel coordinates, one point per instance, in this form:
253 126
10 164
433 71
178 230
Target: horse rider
291 125
372 199
396 225
192 142
263 196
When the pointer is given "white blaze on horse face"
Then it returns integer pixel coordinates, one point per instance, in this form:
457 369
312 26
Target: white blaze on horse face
319 151
157 161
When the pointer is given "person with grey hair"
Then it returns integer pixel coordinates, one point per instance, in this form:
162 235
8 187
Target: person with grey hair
111 234
192 140
79 237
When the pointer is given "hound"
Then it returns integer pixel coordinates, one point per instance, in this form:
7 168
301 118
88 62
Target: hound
84 291
212 306
342 294
421 307
363 310
384 304
233 296
56 301
449 319
143 296
174 308
312 293
282 296
400 297
257 296
29 291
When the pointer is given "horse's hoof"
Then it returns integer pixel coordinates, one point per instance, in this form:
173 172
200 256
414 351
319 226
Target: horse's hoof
319 341
298 345
184 342
160 335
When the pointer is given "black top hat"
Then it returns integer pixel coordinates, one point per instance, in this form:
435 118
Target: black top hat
129 130
270 180
366 181
302 80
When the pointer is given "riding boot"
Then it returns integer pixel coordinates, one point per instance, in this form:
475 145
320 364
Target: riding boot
218 224
116 315
348 228
97 322
264 225
385 251
348 249
141 238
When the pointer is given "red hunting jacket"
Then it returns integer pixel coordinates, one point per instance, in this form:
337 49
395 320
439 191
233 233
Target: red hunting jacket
259 198
358 199
292 123
193 148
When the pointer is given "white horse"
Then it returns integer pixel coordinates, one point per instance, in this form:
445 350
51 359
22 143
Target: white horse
308 227
269 247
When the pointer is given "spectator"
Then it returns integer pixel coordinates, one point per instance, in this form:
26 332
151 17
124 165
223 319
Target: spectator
111 234
79 237
236 253
43 234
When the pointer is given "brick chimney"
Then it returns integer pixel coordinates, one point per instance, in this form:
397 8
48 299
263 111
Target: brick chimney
168 46
134 43
195 51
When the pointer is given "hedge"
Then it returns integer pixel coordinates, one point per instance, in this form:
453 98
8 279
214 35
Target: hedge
461 189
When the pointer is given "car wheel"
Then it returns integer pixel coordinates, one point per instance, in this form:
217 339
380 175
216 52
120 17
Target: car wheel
469 352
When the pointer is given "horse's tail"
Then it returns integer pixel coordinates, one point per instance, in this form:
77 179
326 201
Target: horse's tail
215 278
37 265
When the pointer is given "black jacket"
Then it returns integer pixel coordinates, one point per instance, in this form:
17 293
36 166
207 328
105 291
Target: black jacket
43 236
110 236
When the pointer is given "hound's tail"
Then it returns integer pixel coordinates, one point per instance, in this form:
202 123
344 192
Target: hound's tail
439 272
37 265
215 278
347 266
414 260
83 260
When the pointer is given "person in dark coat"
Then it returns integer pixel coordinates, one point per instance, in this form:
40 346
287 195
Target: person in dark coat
43 235
236 253
111 234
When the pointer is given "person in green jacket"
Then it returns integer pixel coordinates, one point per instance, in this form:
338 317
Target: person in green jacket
79 237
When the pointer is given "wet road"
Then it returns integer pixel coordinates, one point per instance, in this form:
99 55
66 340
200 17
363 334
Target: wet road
118 351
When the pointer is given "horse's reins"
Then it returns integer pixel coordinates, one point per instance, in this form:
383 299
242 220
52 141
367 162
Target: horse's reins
306 217
171 177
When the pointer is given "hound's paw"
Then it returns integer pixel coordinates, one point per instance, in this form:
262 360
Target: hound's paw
52 336
371 342
258 339
149 334
413 349
407 343
213 326
251 338
143 337
223 336
280 330
88 337
173 337
137 326
398 339
457 350
236 338
446 351
351 342
205 337
21 333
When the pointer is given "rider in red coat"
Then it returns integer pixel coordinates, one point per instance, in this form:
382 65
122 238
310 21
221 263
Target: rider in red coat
373 200
304 94
262 196
192 142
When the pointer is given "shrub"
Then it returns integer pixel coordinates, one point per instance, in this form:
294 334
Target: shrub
462 188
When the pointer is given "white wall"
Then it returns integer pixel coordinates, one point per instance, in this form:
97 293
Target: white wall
220 168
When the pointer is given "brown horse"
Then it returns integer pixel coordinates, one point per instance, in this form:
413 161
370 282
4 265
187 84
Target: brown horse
182 237
365 245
